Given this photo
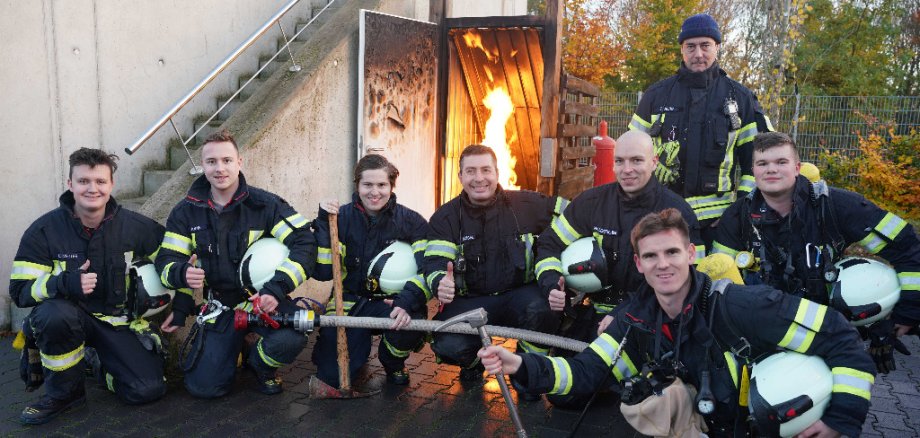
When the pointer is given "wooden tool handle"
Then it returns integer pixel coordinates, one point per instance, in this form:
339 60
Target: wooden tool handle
341 339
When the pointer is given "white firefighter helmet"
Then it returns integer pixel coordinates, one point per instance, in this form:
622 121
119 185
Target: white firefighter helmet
391 269
584 266
789 391
149 295
261 261
866 290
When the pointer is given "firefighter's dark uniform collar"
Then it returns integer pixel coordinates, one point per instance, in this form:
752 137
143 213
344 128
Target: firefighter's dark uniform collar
762 213
467 203
68 202
200 192
702 79
646 197
387 209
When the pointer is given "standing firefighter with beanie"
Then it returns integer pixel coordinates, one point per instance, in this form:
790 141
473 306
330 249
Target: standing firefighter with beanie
480 254
702 123
687 343
790 232
73 267
368 226
607 214
207 234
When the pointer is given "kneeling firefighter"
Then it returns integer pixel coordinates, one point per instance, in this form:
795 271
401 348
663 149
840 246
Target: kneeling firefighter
684 331
382 244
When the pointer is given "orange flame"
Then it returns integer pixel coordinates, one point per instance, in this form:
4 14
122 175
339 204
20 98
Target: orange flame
498 101
474 40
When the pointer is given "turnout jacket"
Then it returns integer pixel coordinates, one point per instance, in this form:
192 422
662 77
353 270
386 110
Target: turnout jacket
494 242
825 217
54 247
606 213
362 237
220 238
766 318
688 117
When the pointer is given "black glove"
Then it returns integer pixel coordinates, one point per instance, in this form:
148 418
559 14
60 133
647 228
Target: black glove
882 340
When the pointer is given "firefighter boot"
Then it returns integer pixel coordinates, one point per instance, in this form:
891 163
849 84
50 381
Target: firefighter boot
47 408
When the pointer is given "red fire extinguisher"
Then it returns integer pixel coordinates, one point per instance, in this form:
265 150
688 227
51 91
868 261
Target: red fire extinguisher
603 158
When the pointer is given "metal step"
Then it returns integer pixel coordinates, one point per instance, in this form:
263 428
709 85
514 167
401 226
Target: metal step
154 179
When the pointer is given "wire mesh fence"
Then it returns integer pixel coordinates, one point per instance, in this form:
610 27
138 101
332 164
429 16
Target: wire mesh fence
818 123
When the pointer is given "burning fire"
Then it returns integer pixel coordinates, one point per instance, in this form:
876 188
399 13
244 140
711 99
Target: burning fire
498 101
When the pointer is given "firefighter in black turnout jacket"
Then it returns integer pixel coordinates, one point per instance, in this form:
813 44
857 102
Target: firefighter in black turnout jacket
73 267
607 213
371 223
677 327
702 122
789 232
207 234
480 254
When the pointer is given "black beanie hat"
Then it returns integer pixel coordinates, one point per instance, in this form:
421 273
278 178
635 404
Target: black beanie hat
700 25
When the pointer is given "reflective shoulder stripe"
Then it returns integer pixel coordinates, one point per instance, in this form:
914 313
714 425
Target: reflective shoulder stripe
873 243
255 235
324 256
419 245
720 248
549 264
61 362
890 226
747 133
638 124
177 242
909 280
732 365
294 271
605 347
561 204
562 373
441 248
851 381
564 230
39 290
747 183
28 270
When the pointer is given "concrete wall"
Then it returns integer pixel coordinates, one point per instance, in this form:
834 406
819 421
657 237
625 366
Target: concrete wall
98 73
485 8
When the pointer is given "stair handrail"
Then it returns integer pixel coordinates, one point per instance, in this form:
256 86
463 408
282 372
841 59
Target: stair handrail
168 115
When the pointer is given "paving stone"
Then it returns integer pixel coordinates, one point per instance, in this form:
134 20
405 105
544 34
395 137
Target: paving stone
891 421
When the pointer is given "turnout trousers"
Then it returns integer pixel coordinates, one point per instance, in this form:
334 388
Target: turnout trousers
62 331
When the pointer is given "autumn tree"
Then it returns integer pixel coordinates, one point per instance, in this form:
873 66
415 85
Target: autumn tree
590 48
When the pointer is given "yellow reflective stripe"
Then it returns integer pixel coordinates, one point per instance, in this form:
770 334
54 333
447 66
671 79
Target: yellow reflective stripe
419 281
708 200
728 162
59 266
549 264
909 280
561 204
245 306
797 338
732 366
810 314
441 248
293 270
346 307
711 212
639 124
766 120
419 245
281 230
602 308
564 230
39 290
61 362
185 290
153 257
255 235
393 350
110 382
431 278
851 381
890 226
177 242
605 347
747 183
112 320
265 358
28 270
528 257
562 376
527 347
873 243
700 253
720 248
324 256
747 133
297 221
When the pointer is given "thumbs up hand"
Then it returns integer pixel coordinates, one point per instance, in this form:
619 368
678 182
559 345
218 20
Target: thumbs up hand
446 285
557 296
194 276
87 279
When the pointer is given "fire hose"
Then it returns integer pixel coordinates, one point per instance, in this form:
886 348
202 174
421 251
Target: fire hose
305 321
